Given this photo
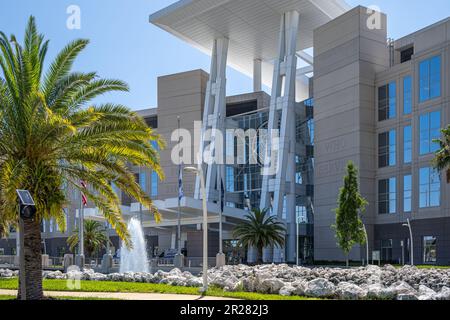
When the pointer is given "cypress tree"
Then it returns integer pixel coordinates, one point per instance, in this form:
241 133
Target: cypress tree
349 227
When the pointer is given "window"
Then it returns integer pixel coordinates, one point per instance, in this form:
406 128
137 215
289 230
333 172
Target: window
430 188
284 212
430 129
386 250
430 79
298 173
142 181
154 175
407 144
406 54
154 184
50 225
429 249
386 149
407 95
387 196
229 179
407 193
387 101
302 214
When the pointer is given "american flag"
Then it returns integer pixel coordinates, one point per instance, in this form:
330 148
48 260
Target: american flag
83 196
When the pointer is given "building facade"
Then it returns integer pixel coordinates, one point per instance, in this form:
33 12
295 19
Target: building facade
390 99
372 100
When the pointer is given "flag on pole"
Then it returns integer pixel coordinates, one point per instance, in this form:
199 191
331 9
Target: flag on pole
180 183
83 196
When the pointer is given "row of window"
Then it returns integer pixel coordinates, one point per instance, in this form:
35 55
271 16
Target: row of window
429 249
429 130
142 179
429 88
429 192
51 225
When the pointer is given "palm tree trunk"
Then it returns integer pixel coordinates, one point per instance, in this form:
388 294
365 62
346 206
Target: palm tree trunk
260 255
33 260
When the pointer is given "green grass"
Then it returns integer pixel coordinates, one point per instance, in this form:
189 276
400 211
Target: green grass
57 298
426 267
107 286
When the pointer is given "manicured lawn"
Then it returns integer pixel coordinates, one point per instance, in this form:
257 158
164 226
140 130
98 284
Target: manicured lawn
426 267
106 286
58 298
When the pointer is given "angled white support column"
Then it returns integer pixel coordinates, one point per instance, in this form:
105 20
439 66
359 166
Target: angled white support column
214 115
279 189
257 75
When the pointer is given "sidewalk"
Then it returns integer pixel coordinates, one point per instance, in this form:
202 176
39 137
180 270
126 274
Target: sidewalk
120 295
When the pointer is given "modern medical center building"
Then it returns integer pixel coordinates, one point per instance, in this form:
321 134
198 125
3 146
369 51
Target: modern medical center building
340 90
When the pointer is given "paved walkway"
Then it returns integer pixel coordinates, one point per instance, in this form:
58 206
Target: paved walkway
119 295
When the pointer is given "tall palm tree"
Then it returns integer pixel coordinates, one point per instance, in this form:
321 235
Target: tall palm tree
260 230
442 159
52 138
95 237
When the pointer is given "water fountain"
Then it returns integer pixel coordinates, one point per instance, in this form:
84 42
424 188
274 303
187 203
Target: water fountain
135 259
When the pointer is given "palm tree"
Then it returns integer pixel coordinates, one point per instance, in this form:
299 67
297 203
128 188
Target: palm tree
95 237
260 230
442 159
51 139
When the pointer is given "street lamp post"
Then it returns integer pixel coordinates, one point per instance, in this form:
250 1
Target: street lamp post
80 257
199 172
408 225
296 240
367 243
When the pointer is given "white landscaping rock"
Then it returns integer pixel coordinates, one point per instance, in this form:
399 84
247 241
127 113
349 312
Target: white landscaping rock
287 290
371 282
402 288
350 291
6 273
320 288
444 294
426 293
300 287
379 292
272 285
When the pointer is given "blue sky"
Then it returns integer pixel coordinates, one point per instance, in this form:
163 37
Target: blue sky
125 46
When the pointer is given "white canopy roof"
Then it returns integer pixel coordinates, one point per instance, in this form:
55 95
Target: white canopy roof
252 26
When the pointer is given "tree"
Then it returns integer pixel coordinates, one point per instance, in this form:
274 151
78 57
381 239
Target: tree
442 159
51 139
95 238
260 230
349 227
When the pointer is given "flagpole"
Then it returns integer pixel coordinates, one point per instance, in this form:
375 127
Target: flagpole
221 213
220 187
179 194
220 258
80 261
